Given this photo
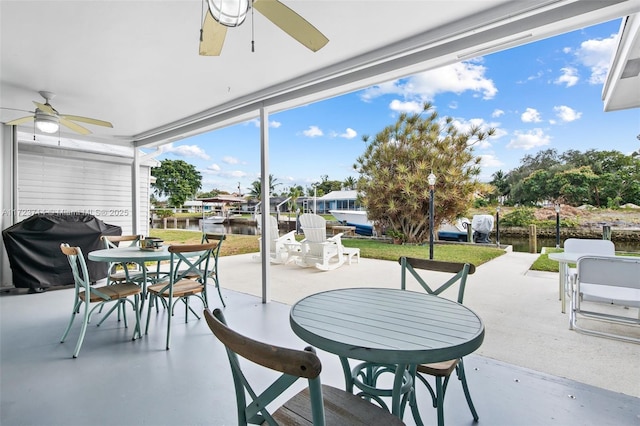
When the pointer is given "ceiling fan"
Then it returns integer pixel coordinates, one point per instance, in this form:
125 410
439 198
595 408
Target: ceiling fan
231 13
48 120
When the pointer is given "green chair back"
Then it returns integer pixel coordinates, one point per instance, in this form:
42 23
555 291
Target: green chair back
293 364
460 271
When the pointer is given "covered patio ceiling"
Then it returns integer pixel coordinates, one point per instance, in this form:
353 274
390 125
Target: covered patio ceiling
136 63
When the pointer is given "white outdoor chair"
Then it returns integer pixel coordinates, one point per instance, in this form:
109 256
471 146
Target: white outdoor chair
585 246
611 285
316 249
278 250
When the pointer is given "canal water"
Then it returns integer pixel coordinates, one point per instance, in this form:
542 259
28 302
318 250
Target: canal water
519 244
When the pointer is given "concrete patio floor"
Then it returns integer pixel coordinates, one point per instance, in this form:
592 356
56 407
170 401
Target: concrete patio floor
520 309
530 370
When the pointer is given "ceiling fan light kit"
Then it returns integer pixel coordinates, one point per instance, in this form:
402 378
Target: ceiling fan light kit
46 123
230 13
48 120
222 14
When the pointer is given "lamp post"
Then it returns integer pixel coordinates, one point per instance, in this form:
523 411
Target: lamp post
557 225
432 182
498 225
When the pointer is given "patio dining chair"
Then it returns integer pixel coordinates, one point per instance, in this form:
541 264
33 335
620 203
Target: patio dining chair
85 294
122 272
316 405
366 375
183 282
213 263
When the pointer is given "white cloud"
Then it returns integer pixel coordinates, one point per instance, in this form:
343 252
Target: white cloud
214 167
273 124
535 76
453 105
569 77
230 160
409 107
596 55
233 174
528 140
386 88
312 132
349 133
531 115
456 78
490 160
566 113
184 151
466 125
497 113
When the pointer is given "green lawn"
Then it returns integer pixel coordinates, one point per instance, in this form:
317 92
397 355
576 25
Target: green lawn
543 263
373 249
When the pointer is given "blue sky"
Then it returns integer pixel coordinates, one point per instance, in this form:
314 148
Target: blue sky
538 96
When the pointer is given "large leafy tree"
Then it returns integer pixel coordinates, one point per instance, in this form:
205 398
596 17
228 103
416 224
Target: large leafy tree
397 161
176 179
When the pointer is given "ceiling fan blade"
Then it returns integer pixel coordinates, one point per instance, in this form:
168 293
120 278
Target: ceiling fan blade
18 121
212 36
45 108
75 127
87 120
291 23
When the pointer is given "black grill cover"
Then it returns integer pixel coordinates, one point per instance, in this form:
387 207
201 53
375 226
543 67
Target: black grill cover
33 248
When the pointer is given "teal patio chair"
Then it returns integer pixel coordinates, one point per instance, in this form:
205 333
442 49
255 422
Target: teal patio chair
441 371
213 263
366 375
122 272
183 281
85 294
316 405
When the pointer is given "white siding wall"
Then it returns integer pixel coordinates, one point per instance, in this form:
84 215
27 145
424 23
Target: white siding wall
64 181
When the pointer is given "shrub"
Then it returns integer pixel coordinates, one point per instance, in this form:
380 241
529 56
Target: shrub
519 217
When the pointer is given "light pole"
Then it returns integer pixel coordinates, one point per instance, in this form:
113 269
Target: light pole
498 225
557 225
432 182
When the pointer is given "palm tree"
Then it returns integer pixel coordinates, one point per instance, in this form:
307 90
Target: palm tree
349 183
255 190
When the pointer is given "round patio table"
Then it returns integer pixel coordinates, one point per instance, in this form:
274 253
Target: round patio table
132 255
387 326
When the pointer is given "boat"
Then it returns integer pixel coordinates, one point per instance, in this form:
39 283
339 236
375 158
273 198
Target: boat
356 218
447 232
456 231
214 219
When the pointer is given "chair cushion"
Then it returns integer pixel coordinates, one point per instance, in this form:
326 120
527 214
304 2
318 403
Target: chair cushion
341 408
180 289
115 291
443 369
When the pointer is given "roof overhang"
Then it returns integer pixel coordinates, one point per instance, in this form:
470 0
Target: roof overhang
622 86
135 63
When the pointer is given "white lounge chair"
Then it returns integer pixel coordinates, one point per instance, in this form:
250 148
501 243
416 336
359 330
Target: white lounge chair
278 244
316 249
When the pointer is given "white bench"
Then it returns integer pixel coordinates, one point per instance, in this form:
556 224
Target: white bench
350 252
603 282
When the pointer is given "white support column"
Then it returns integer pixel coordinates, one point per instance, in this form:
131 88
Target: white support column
135 191
264 167
9 194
